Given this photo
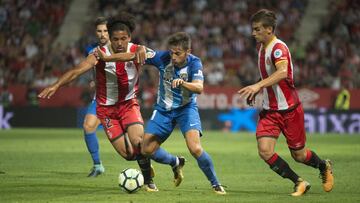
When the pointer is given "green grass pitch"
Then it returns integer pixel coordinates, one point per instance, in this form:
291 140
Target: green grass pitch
50 165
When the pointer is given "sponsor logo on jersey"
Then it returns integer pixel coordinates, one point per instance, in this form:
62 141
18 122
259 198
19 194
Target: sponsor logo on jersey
277 53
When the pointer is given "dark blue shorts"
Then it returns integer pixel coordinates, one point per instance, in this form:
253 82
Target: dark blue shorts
162 123
91 109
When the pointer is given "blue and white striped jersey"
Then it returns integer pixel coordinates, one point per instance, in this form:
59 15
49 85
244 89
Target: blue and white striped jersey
171 98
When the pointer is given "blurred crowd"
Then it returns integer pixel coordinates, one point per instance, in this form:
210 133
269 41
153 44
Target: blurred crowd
220 32
28 29
332 58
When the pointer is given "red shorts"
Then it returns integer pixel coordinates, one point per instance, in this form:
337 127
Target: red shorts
290 123
117 118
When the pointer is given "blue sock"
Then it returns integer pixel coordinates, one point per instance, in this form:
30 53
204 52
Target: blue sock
206 165
164 157
92 146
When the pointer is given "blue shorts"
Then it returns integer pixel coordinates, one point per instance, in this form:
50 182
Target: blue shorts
162 123
91 109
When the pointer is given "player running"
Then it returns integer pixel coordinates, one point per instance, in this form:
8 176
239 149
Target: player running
181 79
282 110
116 89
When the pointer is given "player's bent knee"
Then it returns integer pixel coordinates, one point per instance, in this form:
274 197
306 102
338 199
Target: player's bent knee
265 154
88 127
298 157
196 150
145 151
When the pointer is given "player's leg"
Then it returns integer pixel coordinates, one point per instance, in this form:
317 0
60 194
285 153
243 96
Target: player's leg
266 146
135 133
116 136
296 141
130 117
190 124
91 122
203 159
267 132
158 129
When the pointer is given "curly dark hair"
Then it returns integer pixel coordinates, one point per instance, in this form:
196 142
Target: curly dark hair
123 22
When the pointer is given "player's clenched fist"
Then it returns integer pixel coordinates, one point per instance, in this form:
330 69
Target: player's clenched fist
177 82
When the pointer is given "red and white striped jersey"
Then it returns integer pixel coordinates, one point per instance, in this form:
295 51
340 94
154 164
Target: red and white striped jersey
116 81
283 95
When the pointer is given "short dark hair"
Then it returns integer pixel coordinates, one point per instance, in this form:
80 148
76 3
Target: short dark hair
123 22
180 39
266 17
100 21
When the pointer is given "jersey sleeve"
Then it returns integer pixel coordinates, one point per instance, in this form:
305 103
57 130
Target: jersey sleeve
197 70
280 53
154 57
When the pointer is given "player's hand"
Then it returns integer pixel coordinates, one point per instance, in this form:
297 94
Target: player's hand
177 82
99 54
251 102
48 92
140 55
249 92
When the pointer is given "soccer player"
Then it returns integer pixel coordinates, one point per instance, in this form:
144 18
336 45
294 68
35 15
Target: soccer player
282 110
181 79
91 122
116 88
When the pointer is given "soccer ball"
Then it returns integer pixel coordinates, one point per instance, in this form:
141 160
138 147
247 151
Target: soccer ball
131 180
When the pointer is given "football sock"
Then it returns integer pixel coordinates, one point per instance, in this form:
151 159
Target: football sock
282 168
145 167
92 146
206 165
164 157
313 160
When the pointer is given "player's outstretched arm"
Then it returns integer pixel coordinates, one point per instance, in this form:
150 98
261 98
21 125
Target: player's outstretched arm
139 55
69 76
195 86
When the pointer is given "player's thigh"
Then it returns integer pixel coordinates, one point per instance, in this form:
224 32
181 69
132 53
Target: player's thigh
135 133
150 144
266 145
112 128
131 119
268 124
160 125
120 147
192 138
188 119
294 129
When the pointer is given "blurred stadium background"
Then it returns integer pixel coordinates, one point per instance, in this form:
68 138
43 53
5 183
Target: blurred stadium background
40 40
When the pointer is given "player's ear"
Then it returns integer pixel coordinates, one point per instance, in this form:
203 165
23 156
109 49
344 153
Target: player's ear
188 51
268 30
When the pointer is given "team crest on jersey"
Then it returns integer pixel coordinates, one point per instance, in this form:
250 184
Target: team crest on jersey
277 53
184 76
